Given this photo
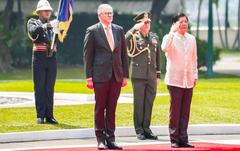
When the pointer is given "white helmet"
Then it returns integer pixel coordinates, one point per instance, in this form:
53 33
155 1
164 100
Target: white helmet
43 5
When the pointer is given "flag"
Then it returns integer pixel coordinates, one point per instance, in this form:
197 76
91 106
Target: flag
65 18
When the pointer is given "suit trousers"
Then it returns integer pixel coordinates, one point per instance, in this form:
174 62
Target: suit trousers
106 96
144 93
180 102
44 77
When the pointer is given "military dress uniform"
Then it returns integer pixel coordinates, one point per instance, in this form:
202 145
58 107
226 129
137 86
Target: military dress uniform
144 53
44 67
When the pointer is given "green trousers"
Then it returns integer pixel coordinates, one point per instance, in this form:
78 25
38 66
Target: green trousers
144 93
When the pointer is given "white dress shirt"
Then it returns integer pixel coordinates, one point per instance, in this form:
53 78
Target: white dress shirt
181 54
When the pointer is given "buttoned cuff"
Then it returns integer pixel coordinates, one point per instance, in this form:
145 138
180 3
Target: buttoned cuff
196 75
171 34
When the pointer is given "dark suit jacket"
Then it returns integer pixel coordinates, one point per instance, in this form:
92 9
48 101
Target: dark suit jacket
100 61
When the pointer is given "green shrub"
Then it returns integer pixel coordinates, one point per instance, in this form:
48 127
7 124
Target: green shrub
202 48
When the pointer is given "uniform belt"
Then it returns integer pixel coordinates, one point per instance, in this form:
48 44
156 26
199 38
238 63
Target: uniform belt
40 47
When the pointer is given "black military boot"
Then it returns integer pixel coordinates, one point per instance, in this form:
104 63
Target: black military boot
40 120
51 121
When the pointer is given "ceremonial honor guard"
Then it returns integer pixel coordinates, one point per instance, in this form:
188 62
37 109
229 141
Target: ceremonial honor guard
40 31
144 51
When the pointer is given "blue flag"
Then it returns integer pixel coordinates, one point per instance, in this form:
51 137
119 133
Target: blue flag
65 18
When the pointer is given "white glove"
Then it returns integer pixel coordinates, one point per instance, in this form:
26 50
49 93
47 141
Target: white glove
174 27
54 23
46 25
55 30
138 26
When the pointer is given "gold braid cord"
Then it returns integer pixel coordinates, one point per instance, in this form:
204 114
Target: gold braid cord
29 35
132 48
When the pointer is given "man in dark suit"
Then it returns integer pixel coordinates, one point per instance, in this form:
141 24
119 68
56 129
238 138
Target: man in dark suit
106 66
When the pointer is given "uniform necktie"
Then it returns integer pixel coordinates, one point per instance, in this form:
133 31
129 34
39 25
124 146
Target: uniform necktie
109 38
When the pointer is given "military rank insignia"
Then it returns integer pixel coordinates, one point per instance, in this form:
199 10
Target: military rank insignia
154 40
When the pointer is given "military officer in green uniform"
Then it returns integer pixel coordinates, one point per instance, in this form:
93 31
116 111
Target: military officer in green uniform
144 53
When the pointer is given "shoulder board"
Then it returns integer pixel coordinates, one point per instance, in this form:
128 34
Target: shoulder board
34 21
153 34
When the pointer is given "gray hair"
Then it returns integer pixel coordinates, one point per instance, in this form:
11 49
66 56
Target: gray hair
102 7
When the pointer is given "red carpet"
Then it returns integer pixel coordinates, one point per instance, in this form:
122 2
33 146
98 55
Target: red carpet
158 147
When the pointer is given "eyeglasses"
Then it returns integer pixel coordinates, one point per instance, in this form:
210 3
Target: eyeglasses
147 22
108 13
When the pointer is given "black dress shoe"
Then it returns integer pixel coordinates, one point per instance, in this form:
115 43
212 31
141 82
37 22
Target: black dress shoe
187 145
113 145
40 120
141 136
151 136
102 146
51 121
175 145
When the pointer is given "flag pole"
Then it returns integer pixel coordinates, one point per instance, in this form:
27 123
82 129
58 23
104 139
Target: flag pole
54 35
